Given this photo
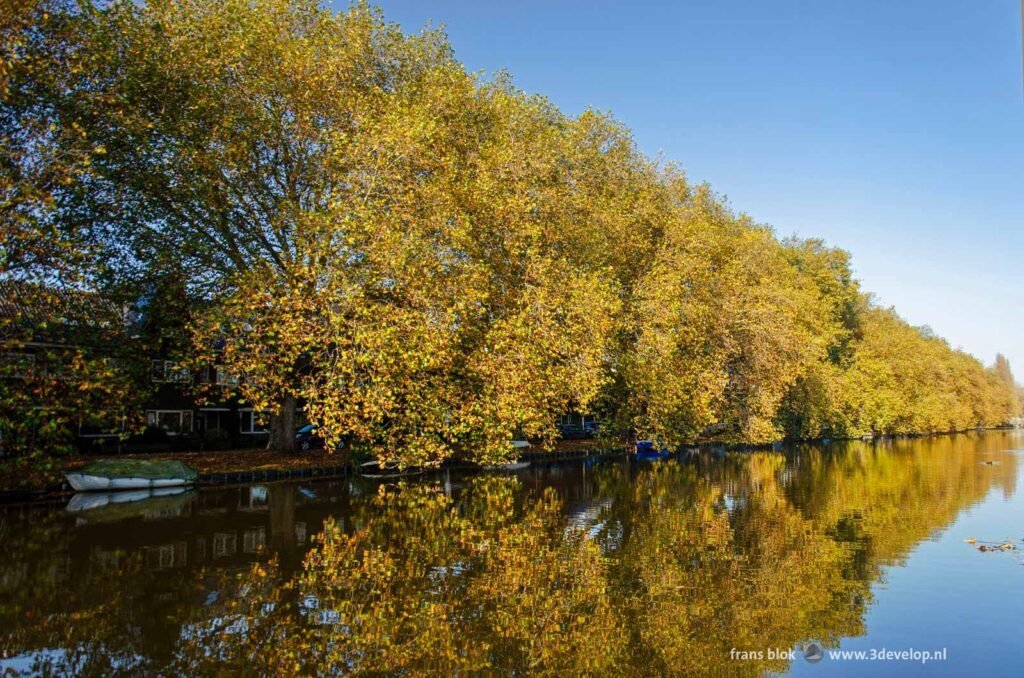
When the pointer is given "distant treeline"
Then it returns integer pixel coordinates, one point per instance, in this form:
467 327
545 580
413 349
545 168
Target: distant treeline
424 259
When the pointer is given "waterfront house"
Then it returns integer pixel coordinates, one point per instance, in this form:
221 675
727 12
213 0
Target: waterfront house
44 332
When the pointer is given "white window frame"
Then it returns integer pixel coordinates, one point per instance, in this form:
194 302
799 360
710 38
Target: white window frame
153 419
248 416
225 378
225 544
254 539
168 372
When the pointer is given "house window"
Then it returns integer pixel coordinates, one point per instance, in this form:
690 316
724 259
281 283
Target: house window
167 556
252 421
224 544
168 371
213 419
225 378
17 365
117 364
57 369
102 428
253 540
172 421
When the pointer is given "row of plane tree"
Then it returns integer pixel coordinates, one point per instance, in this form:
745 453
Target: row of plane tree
421 258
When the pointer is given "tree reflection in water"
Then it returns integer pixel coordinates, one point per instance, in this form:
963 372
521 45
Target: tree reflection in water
654 569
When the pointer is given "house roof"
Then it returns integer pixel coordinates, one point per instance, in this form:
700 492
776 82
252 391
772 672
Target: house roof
36 307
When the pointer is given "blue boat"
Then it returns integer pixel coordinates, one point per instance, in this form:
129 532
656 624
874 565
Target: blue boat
648 449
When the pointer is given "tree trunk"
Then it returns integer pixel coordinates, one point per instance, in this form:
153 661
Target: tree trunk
282 427
282 521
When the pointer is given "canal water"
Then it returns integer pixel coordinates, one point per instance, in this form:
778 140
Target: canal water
845 559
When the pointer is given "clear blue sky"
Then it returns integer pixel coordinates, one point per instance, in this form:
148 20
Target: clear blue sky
893 129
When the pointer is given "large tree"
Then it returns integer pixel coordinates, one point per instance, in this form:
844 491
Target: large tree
424 259
364 226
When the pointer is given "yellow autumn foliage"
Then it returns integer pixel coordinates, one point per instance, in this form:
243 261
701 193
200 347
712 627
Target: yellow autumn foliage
427 260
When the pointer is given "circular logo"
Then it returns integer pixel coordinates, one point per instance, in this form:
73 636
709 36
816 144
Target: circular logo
813 653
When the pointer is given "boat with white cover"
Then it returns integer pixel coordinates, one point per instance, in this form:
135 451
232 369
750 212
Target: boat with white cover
107 475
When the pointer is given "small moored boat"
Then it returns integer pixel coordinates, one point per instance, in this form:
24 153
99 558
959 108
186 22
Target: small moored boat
388 469
514 466
130 474
648 449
